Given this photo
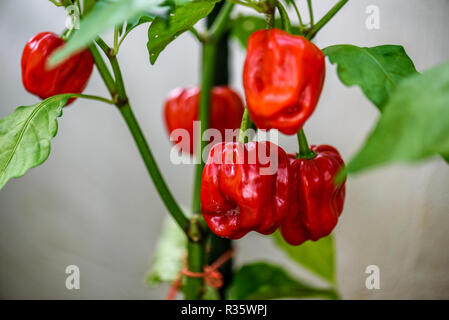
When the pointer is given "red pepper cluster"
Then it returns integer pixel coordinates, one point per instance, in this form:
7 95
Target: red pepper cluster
283 77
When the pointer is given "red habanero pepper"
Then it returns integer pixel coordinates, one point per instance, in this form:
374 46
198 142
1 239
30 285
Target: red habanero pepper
283 77
245 187
70 76
316 201
182 106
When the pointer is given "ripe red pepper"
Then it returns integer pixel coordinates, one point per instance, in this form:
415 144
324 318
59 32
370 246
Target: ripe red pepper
70 76
181 109
283 77
316 201
245 187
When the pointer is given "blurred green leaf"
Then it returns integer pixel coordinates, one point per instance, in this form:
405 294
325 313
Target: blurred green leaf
104 16
25 136
161 32
88 5
316 256
376 70
261 280
414 124
169 254
243 26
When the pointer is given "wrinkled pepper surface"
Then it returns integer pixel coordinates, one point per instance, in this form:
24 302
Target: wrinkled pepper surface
245 187
182 107
283 77
316 200
71 76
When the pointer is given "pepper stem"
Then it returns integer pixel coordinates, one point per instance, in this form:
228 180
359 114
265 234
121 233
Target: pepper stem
246 122
304 150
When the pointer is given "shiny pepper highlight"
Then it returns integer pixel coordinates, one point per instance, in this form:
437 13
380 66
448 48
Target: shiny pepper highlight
245 187
283 77
182 107
316 201
70 76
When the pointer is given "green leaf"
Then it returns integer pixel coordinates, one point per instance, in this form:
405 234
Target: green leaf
377 70
414 124
25 136
316 256
88 5
243 26
266 281
105 15
161 32
169 254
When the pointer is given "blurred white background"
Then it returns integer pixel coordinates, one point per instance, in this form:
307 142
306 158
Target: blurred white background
92 203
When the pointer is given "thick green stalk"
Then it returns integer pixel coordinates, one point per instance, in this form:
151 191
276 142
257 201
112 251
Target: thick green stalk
286 24
328 16
152 167
219 245
304 150
309 5
103 69
196 250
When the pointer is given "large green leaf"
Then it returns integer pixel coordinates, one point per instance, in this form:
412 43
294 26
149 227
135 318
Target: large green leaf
243 26
25 136
316 256
377 70
414 124
266 281
169 254
105 15
161 32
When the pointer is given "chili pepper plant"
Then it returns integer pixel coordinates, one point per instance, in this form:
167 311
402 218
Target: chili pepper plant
294 196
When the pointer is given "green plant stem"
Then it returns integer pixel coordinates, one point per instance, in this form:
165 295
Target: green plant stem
325 19
245 124
218 245
197 250
196 257
286 24
304 150
269 19
116 34
301 24
104 46
56 3
221 22
145 151
153 169
119 85
103 69
92 97
309 5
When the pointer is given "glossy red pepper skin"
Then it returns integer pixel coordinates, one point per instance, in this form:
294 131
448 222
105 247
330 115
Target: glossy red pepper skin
182 106
283 77
70 76
316 201
237 196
